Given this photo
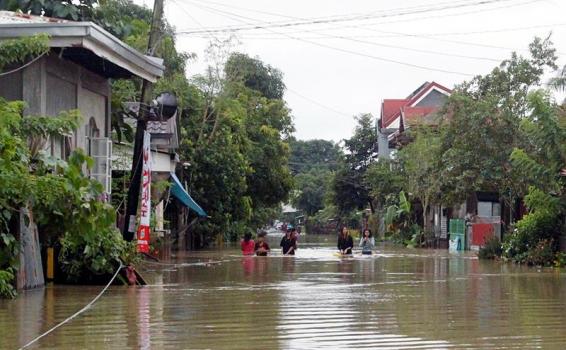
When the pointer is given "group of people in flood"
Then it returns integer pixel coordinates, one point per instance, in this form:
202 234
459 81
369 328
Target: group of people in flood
288 243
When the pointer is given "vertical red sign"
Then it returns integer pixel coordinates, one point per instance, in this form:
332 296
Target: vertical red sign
143 229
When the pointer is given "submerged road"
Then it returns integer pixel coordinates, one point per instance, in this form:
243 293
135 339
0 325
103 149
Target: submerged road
216 299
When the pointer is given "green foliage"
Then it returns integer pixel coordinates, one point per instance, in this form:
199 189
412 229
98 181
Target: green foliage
7 277
483 118
313 154
20 50
255 75
560 259
543 153
313 163
491 250
542 223
311 188
420 163
542 254
8 263
349 188
385 180
72 10
235 140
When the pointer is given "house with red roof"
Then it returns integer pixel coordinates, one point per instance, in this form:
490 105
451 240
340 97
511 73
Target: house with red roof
482 211
419 107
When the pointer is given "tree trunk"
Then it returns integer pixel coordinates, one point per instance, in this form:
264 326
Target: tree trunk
30 272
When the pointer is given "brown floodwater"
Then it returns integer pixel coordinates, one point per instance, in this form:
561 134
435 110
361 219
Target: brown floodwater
217 299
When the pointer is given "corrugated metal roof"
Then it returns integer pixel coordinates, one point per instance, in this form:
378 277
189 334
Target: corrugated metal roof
17 17
73 36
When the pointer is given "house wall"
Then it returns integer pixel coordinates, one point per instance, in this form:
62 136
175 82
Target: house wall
51 85
11 86
433 99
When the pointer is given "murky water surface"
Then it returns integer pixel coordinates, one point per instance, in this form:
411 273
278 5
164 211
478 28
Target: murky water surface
396 299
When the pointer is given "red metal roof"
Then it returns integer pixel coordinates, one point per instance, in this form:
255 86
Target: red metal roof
391 108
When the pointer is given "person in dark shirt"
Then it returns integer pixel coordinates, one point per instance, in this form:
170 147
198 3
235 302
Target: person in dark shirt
288 242
261 246
345 242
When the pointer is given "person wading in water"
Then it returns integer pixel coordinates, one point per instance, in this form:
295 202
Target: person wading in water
367 243
248 245
289 242
345 242
261 246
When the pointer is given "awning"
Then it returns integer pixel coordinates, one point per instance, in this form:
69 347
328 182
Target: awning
179 192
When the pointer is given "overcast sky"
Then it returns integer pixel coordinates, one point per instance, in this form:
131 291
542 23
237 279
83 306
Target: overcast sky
340 68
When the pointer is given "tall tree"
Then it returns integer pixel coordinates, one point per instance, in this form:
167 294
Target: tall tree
349 185
483 118
311 188
317 154
420 162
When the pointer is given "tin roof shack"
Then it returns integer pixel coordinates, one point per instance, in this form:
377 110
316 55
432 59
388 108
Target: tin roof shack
75 74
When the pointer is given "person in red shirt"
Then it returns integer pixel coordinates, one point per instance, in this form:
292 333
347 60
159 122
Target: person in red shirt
248 245
261 246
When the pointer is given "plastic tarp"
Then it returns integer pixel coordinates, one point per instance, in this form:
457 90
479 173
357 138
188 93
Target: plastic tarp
179 192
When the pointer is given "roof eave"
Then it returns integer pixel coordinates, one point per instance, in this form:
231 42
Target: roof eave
93 38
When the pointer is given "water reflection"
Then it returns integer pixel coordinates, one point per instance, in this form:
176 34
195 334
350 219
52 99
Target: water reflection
397 299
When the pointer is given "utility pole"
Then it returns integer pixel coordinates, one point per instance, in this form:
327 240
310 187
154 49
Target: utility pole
129 229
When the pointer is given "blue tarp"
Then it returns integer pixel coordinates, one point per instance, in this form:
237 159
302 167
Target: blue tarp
179 192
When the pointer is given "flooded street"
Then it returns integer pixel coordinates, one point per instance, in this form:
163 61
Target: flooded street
396 299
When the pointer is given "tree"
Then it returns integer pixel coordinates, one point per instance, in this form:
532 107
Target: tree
235 139
542 155
385 181
482 125
255 75
420 162
313 154
311 189
349 185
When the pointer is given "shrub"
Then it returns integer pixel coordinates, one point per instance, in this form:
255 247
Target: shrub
491 250
540 225
542 254
8 261
91 244
560 259
7 277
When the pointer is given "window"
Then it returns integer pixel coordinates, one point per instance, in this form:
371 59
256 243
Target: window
100 150
488 209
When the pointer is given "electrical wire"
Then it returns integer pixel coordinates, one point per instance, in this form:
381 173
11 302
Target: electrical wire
352 52
22 66
209 34
319 104
265 25
399 34
356 26
85 308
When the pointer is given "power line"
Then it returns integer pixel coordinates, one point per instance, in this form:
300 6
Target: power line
209 34
356 53
398 34
357 26
318 103
354 39
411 11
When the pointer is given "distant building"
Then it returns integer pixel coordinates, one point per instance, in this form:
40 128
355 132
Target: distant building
397 115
